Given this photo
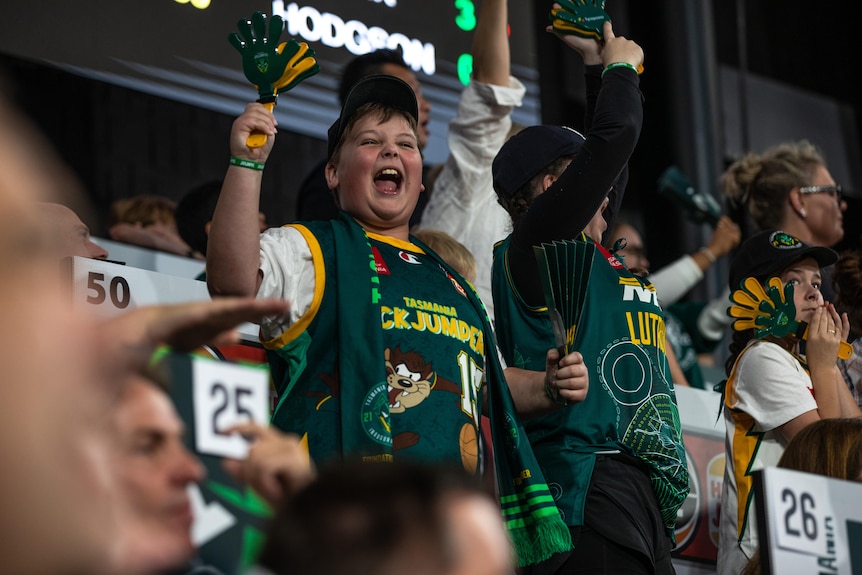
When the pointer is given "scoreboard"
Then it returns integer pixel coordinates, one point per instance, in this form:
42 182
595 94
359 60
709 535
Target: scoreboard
178 49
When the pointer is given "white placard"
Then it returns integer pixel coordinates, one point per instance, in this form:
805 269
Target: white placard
801 504
109 288
154 260
225 394
812 523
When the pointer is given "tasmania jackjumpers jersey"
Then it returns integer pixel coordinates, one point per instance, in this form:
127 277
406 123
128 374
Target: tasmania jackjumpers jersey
630 406
429 404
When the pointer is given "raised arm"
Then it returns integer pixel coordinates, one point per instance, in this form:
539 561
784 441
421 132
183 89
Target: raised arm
462 201
233 247
565 208
491 44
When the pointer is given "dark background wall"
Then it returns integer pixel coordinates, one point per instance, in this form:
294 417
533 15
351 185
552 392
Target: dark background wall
722 78
121 142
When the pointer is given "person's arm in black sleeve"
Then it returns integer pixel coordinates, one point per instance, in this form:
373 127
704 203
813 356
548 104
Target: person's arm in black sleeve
564 210
593 83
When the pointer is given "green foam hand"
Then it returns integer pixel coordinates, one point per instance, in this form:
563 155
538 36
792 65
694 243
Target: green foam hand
768 311
262 61
771 311
584 18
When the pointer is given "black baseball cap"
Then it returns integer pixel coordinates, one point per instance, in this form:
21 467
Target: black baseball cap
768 253
529 152
380 88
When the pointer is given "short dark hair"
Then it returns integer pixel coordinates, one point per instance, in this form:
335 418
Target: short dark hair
369 64
359 517
520 201
194 210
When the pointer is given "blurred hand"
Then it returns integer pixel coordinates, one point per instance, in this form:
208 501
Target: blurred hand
725 237
130 339
277 465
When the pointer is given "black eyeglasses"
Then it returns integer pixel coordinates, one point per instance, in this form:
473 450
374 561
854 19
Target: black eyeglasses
836 191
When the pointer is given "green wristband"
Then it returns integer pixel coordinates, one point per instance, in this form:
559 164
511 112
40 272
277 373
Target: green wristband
250 164
619 65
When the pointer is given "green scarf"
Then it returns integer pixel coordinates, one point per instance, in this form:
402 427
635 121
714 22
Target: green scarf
531 516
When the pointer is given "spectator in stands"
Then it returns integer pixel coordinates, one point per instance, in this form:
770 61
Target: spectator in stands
451 250
829 447
148 221
775 387
316 201
153 469
67 234
693 328
388 519
847 281
788 187
463 203
194 214
617 457
461 259
277 464
331 358
676 279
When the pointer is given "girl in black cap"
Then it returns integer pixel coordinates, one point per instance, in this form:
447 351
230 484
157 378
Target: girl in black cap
775 386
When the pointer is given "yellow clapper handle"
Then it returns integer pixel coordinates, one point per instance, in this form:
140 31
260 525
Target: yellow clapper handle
258 139
845 350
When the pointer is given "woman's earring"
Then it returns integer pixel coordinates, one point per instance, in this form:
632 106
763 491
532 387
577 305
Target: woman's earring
802 213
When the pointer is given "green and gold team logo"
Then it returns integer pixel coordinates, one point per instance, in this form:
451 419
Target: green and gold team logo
783 240
261 62
375 414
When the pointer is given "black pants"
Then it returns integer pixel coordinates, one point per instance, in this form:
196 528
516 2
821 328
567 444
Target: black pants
623 531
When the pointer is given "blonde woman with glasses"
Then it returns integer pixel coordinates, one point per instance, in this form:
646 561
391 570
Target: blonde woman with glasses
789 187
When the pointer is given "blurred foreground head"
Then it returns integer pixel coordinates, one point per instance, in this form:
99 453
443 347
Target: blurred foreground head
56 518
389 519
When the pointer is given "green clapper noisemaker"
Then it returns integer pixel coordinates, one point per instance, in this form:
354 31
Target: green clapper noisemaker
273 68
585 18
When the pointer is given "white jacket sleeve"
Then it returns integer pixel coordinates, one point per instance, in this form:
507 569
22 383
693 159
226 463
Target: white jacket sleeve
675 280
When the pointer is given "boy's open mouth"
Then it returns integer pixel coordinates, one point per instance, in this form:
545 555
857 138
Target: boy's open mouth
387 181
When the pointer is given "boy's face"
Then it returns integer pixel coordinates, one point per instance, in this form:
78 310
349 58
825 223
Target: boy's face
378 174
